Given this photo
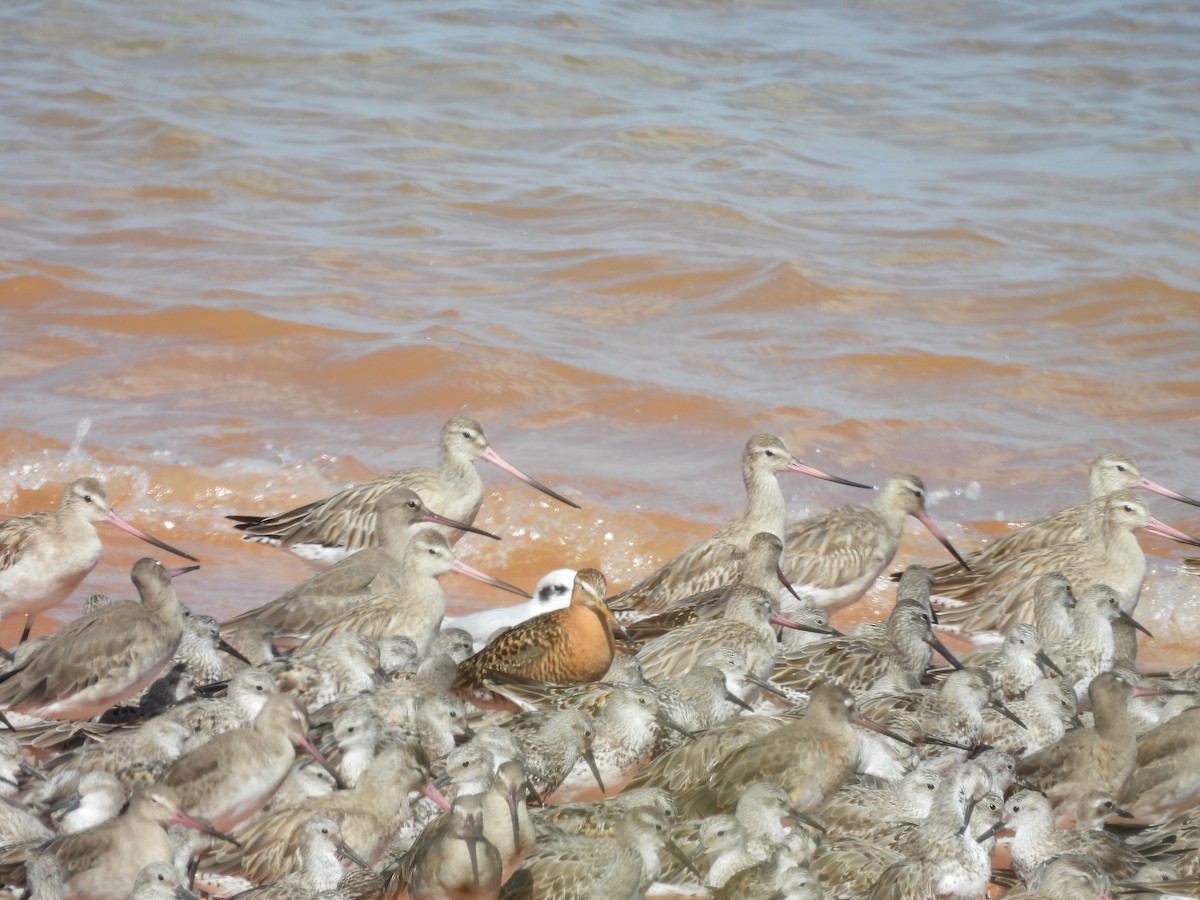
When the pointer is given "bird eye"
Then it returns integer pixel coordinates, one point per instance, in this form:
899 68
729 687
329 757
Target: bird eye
467 435
162 877
1120 468
769 452
87 498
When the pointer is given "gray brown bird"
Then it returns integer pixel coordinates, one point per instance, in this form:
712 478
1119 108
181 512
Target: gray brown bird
45 555
833 558
717 561
100 659
331 529
102 862
1088 759
232 776
810 758
353 580
1108 472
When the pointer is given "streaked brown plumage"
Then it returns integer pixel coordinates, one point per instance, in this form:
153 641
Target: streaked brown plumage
809 757
415 605
994 597
297 612
1088 759
453 859
232 776
45 555
331 529
100 659
369 816
104 861
588 868
717 561
900 651
832 558
1036 840
745 624
567 645
760 569
1108 472
1166 781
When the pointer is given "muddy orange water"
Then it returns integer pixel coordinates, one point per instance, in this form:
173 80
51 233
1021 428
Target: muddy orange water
253 252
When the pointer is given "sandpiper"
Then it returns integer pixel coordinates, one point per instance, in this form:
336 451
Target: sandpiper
232 776
717 561
992 598
1108 472
45 555
351 581
832 558
98 660
574 644
331 529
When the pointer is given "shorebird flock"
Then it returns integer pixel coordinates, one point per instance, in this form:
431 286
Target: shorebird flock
704 732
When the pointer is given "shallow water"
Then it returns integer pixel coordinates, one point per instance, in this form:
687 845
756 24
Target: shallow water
254 252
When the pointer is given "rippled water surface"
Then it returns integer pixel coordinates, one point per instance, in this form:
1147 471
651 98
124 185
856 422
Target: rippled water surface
256 250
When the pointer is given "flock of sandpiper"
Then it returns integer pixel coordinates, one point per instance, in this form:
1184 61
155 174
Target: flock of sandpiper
346 740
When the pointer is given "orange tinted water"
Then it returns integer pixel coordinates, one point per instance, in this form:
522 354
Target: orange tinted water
254 253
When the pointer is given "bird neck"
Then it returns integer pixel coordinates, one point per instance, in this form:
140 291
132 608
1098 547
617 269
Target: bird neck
765 507
1112 721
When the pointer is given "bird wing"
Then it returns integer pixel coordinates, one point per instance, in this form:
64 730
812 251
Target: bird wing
55 671
514 651
711 564
832 549
843 661
270 845
994 598
80 851
692 762
345 519
15 535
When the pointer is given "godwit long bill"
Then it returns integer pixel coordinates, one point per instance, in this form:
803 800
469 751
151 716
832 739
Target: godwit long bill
717 561
45 555
328 530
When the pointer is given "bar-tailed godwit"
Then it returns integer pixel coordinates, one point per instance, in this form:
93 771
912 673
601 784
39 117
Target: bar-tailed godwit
328 530
717 561
98 660
45 555
832 558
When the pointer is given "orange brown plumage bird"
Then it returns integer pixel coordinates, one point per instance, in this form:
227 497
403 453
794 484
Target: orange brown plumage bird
567 645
